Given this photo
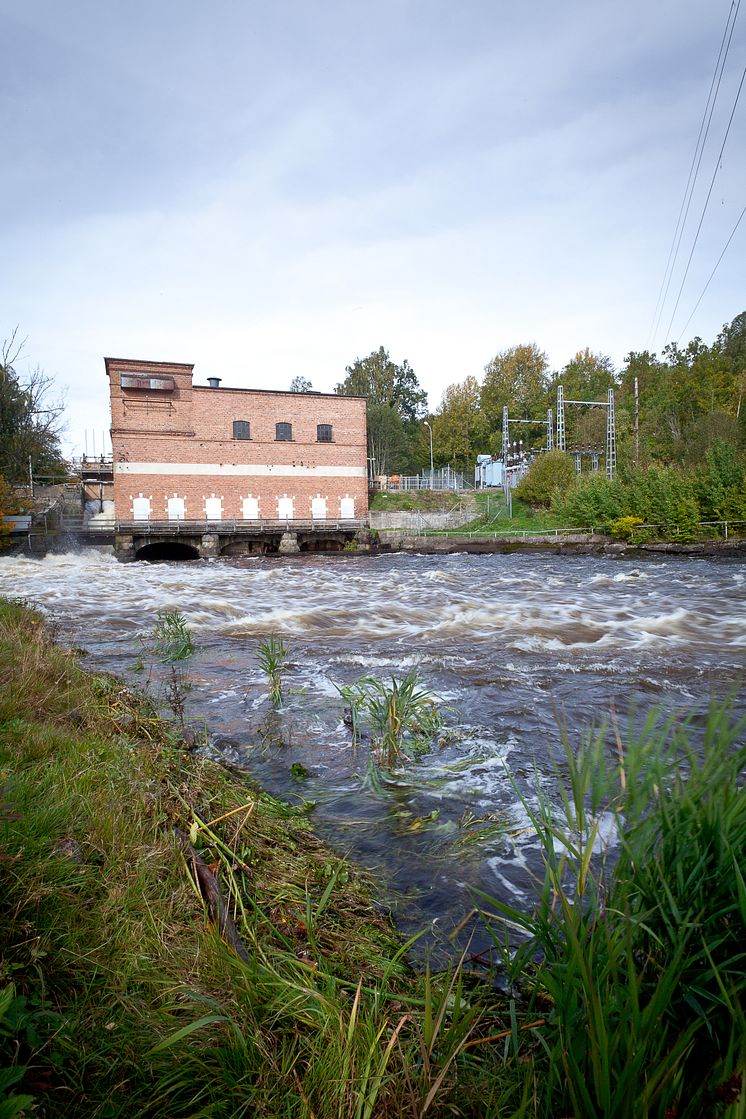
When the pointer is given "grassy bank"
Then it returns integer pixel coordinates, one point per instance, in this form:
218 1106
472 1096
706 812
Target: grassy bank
124 998
174 942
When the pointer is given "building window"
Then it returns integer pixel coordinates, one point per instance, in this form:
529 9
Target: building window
323 433
176 508
284 432
241 429
250 508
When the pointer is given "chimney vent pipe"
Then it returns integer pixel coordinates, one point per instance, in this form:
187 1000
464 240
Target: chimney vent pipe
214 382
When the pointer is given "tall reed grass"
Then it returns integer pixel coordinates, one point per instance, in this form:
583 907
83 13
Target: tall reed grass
641 945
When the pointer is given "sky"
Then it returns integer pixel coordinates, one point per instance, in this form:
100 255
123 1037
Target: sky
267 190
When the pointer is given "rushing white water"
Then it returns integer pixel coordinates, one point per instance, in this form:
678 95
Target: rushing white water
515 645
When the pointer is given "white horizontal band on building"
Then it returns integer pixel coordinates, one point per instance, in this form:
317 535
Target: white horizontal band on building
173 469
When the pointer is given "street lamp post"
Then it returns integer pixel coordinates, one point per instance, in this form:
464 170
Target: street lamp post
427 425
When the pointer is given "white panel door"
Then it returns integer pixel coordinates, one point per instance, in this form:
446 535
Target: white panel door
213 508
285 508
250 508
141 508
176 509
318 508
347 508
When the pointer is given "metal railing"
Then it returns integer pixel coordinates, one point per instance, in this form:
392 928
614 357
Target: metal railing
728 527
441 479
486 534
190 528
677 530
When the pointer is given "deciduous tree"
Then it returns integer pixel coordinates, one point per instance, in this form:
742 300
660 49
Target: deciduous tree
29 419
384 382
300 384
460 428
519 378
394 394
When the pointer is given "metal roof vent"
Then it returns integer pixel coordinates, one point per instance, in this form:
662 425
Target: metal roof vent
214 382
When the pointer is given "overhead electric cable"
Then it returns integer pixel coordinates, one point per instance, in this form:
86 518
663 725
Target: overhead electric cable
707 200
699 148
717 263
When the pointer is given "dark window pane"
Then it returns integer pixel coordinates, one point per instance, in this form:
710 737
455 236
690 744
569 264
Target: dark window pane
324 433
284 432
241 429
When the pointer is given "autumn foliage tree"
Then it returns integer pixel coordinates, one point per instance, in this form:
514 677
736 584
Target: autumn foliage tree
519 378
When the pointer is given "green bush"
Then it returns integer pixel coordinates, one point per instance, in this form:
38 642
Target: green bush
720 488
624 527
593 500
549 473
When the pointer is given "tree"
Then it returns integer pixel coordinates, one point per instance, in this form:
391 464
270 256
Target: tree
300 384
389 448
7 506
460 429
519 378
29 419
689 398
396 405
383 382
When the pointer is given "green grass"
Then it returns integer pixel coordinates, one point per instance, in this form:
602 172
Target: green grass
425 501
493 517
642 969
106 939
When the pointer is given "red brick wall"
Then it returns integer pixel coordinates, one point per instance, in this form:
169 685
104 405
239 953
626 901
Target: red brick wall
192 427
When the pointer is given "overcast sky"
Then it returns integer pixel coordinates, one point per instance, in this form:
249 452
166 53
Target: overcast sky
278 188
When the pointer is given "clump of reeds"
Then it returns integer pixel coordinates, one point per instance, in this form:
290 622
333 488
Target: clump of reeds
171 640
642 958
395 713
272 654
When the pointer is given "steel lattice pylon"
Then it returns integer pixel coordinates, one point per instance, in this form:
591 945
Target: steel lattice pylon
550 431
506 437
610 438
560 418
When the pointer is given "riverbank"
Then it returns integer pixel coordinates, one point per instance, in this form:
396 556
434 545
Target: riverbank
176 942
128 992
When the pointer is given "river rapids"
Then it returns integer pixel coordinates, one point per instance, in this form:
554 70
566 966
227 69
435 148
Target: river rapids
517 646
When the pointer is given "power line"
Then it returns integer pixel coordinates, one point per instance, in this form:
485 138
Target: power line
717 263
699 149
707 200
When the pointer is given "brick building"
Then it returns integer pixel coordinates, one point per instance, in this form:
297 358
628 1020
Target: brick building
205 453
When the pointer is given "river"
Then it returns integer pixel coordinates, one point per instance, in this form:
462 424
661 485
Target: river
515 645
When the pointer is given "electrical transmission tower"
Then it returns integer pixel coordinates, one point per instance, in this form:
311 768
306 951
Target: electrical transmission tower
610 438
560 418
610 428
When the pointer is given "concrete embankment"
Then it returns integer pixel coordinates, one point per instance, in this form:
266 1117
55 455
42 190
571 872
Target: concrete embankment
567 543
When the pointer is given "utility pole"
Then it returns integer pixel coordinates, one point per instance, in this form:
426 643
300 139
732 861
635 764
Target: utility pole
427 425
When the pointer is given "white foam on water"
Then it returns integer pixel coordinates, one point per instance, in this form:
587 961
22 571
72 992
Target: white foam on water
604 830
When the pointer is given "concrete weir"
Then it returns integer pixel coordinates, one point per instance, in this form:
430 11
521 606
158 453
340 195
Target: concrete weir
182 540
